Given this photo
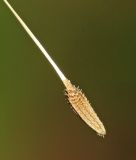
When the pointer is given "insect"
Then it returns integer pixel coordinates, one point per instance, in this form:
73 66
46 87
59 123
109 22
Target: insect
75 96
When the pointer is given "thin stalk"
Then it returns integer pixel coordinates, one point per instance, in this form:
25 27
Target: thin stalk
39 45
75 96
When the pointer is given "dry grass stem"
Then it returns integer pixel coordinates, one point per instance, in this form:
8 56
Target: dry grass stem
75 96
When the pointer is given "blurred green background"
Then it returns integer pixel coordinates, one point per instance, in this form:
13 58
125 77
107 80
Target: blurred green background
94 43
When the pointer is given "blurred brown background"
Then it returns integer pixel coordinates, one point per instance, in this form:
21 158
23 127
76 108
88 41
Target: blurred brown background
94 43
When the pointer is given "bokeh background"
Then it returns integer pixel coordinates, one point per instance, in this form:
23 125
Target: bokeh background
94 43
